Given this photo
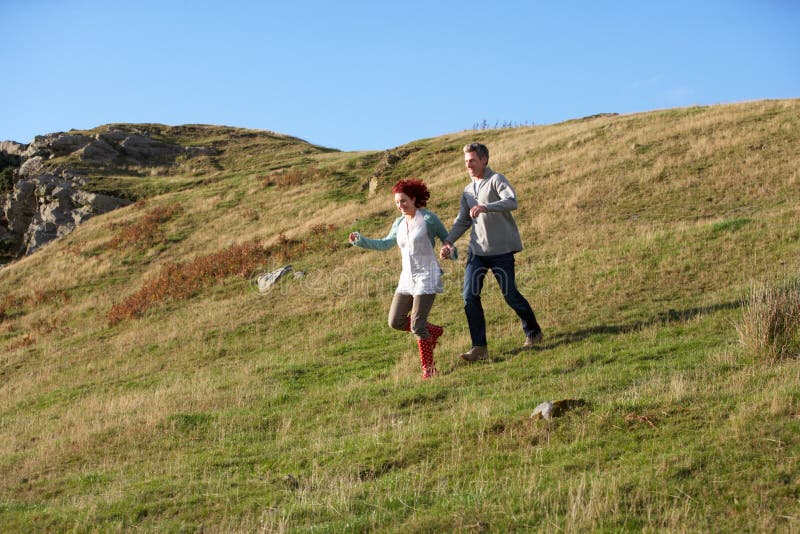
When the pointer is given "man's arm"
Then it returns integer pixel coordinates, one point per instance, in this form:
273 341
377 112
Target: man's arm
508 198
461 224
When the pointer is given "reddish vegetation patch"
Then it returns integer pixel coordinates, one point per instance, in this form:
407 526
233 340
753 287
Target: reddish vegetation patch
181 280
145 232
290 177
178 281
26 341
11 305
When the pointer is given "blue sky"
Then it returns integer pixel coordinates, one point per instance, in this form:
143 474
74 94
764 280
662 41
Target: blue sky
374 75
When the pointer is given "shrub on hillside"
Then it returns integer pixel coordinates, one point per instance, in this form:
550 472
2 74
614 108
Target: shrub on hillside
290 177
178 281
145 232
770 322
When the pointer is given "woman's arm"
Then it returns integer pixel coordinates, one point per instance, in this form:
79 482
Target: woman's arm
358 240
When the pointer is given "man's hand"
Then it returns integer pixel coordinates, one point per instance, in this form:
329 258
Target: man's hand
477 210
447 249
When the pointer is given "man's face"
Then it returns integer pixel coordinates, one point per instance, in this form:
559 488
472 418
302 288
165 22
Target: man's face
475 165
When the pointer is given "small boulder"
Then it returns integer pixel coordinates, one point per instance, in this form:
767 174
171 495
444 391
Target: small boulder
98 151
551 409
32 167
267 280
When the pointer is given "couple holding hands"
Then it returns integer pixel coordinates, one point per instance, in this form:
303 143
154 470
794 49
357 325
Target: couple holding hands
486 206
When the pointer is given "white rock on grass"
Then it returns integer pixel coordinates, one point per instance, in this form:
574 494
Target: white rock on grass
267 280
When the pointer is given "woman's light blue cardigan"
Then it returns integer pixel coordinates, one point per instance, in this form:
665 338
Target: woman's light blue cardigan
433 224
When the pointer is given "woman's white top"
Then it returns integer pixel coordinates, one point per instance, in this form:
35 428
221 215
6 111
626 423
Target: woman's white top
421 274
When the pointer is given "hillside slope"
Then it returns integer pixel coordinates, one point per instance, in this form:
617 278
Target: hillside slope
145 382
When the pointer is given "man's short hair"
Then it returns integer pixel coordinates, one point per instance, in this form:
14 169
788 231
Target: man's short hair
478 148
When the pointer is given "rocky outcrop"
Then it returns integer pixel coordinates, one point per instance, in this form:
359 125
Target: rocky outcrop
43 207
10 154
12 148
41 201
115 145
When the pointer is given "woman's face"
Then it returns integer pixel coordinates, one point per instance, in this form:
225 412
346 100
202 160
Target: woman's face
405 203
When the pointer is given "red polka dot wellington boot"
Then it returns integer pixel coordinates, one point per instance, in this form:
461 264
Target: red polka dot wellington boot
426 357
436 332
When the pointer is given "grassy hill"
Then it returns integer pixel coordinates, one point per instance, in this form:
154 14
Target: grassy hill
146 384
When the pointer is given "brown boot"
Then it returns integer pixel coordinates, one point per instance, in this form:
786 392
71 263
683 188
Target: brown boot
475 353
532 341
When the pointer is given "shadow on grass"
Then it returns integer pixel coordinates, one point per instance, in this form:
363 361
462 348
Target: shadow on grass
663 318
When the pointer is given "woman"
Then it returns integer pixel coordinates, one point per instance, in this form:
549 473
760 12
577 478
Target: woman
414 232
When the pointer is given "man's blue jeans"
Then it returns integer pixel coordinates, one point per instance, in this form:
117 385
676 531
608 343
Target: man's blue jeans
502 266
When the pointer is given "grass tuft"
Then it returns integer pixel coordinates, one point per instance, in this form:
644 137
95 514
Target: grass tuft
770 323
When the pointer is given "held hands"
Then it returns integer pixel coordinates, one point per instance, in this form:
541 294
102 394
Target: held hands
477 210
447 249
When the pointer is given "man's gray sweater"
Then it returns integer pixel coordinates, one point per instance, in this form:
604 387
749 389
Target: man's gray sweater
495 232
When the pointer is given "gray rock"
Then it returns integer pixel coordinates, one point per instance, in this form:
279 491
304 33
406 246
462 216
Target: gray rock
267 280
98 151
56 144
47 206
144 148
543 411
39 146
551 409
112 137
68 143
12 148
19 208
32 166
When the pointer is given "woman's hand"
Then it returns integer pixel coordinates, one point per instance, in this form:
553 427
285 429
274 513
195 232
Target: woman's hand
353 237
447 249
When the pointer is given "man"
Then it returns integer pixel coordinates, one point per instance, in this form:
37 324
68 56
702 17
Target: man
486 206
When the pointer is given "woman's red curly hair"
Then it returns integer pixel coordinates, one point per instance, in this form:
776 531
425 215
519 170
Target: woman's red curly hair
415 189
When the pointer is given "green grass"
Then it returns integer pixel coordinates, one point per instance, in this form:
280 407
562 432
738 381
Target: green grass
300 410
